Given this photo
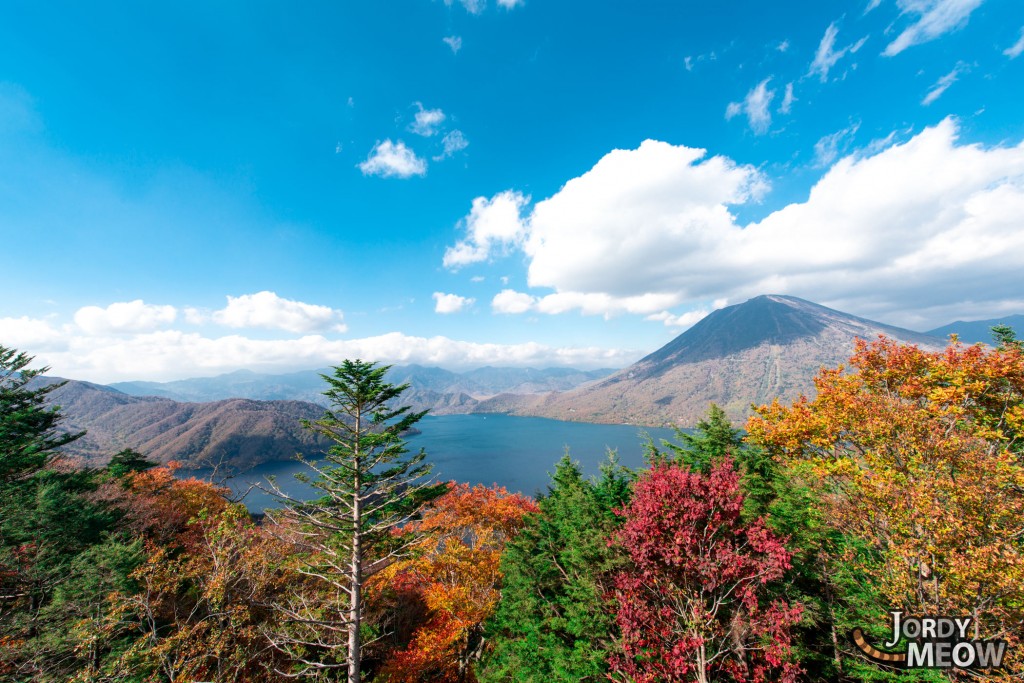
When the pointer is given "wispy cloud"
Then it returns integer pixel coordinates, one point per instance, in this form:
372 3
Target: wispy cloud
827 55
828 148
783 46
393 160
756 106
454 42
934 18
943 84
787 100
452 143
1014 50
427 121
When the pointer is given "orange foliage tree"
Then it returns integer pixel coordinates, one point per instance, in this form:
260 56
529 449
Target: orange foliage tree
454 570
919 455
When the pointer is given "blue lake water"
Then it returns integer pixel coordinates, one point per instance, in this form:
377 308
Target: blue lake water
515 452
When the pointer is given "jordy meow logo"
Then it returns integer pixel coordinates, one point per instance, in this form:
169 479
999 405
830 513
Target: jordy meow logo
934 643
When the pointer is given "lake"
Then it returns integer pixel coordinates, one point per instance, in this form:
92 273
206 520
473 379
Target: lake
515 452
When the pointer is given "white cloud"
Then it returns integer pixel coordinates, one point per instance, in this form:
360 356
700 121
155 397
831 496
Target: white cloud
477 278
492 224
1014 50
828 148
602 240
511 301
783 46
787 100
872 4
122 317
173 354
472 6
911 234
510 4
393 160
687 319
30 335
942 85
451 303
268 310
427 121
756 106
452 142
933 19
454 42
827 55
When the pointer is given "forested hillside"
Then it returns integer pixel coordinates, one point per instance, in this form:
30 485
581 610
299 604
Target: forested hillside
730 557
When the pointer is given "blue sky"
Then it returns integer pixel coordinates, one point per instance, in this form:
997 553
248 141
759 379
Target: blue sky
198 187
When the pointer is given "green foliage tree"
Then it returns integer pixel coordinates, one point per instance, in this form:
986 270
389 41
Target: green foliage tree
48 521
128 460
555 621
369 485
29 432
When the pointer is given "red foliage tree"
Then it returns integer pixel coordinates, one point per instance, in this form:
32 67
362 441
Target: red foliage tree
693 607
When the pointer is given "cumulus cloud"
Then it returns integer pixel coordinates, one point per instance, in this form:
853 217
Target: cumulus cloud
511 301
451 303
933 18
910 234
124 317
689 318
453 142
427 121
942 85
173 354
510 4
393 160
31 334
1014 50
493 224
756 106
827 55
268 310
454 42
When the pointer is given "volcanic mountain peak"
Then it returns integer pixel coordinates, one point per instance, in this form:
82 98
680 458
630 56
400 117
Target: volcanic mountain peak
772 319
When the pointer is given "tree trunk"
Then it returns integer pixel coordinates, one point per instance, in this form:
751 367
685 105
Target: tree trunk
356 584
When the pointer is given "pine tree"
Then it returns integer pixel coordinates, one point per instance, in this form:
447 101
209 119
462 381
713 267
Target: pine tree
555 621
29 432
370 486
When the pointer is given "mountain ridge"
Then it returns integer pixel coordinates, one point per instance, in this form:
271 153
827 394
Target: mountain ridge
766 347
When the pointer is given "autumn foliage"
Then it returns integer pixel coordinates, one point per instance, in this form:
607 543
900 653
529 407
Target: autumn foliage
454 571
919 455
692 607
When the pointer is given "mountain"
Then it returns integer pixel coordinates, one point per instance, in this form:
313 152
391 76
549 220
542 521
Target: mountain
441 391
235 432
974 331
768 346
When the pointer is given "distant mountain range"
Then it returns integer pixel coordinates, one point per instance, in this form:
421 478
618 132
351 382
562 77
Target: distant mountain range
441 391
244 418
974 331
235 432
770 346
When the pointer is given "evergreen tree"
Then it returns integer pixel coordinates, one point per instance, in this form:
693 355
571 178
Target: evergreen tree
370 486
29 432
555 621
